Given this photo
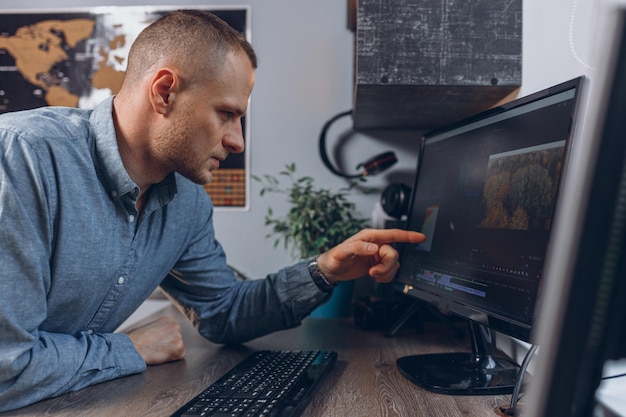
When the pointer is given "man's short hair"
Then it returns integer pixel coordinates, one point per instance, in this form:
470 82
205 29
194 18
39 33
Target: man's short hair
195 40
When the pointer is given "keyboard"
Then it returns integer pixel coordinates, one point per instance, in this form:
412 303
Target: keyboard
268 383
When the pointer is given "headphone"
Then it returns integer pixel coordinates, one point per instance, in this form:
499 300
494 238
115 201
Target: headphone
372 166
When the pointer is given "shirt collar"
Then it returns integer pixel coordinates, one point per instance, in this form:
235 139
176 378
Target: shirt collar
115 179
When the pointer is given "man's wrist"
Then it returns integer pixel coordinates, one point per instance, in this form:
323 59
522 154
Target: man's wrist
318 277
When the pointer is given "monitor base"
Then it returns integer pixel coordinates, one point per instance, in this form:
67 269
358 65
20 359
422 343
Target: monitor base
460 373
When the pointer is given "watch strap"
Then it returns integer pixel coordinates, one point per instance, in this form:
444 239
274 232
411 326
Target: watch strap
318 277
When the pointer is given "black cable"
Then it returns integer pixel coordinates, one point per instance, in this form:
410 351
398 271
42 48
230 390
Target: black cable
613 376
512 410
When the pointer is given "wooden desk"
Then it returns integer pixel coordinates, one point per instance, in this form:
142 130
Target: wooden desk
364 382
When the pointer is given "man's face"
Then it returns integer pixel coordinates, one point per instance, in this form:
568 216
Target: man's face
205 125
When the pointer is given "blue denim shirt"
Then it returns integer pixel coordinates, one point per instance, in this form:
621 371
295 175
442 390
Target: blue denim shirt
76 261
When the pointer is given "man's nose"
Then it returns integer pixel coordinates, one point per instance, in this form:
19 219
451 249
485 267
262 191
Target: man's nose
233 140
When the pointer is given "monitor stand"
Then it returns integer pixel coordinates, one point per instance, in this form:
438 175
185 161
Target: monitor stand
475 373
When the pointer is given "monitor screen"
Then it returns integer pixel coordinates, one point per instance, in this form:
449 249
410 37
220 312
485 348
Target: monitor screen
484 196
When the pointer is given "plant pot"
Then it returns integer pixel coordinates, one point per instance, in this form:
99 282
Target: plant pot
339 304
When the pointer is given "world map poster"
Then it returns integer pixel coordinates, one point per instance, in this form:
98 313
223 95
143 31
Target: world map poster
77 58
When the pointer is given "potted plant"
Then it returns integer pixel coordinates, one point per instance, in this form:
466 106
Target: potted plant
317 220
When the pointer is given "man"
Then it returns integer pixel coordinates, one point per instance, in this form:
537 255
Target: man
98 208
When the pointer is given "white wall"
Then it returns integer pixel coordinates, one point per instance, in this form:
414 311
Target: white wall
305 77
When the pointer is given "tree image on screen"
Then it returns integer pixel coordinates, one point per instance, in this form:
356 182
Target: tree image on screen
520 189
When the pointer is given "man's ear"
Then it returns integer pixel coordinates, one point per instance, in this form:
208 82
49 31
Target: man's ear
162 87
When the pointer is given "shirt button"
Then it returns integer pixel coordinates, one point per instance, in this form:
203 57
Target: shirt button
113 194
121 280
131 218
90 331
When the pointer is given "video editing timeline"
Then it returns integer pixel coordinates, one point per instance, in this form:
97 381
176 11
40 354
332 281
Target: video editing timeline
453 283
499 288
485 197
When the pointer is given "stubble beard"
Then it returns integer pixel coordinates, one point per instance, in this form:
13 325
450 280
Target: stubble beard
175 147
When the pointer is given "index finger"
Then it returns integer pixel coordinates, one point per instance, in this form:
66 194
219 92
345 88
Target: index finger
382 236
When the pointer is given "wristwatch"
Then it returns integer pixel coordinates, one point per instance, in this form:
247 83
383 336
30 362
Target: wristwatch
318 278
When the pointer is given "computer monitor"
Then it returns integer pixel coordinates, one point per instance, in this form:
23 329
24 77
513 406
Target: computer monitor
484 195
582 312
